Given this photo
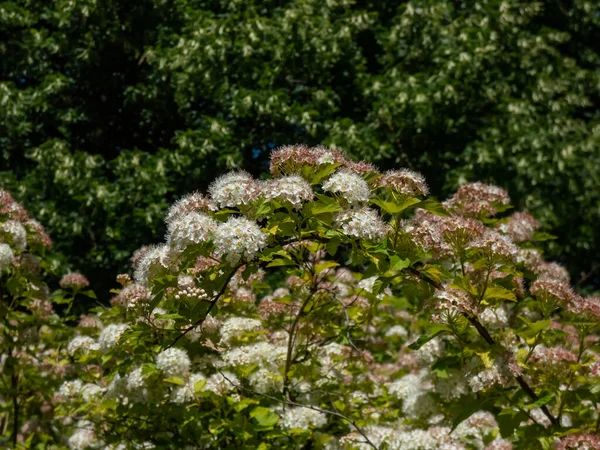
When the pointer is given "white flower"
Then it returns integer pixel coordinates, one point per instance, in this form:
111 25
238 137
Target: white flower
83 437
239 238
221 383
293 189
236 326
91 391
136 386
17 233
363 223
70 388
261 353
264 381
396 330
303 418
431 351
6 256
173 362
494 317
190 228
350 185
154 259
233 189
84 343
109 337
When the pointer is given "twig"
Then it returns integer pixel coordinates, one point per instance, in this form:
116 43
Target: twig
213 302
484 333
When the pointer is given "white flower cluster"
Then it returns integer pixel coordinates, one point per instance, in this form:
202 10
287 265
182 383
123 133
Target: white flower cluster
486 378
221 383
6 256
233 189
302 418
236 326
265 381
261 353
156 257
70 388
363 223
17 233
431 351
239 238
173 362
396 331
84 437
136 387
190 228
494 318
412 390
90 391
349 185
110 335
83 343
293 189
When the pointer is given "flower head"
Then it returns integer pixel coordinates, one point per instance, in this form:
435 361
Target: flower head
190 228
6 256
349 185
173 362
194 202
520 227
478 199
73 280
233 189
363 223
239 238
292 189
404 181
290 159
16 233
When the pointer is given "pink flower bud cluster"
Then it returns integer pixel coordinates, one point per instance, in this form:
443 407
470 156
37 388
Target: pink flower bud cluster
74 281
477 199
403 181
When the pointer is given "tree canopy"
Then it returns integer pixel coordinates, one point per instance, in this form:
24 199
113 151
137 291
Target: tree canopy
111 109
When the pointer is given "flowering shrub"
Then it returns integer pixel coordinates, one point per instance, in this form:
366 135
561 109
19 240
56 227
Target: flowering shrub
32 335
336 307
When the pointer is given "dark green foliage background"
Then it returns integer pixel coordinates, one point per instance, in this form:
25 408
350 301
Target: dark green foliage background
109 110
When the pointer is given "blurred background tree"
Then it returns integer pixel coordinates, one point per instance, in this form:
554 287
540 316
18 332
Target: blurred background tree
109 110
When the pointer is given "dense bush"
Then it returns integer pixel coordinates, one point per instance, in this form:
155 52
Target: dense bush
336 307
111 109
32 334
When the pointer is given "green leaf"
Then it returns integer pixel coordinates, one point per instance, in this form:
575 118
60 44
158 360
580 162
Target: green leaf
509 420
498 292
89 293
332 246
533 328
175 380
397 263
199 386
264 416
540 236
325 265
464 284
